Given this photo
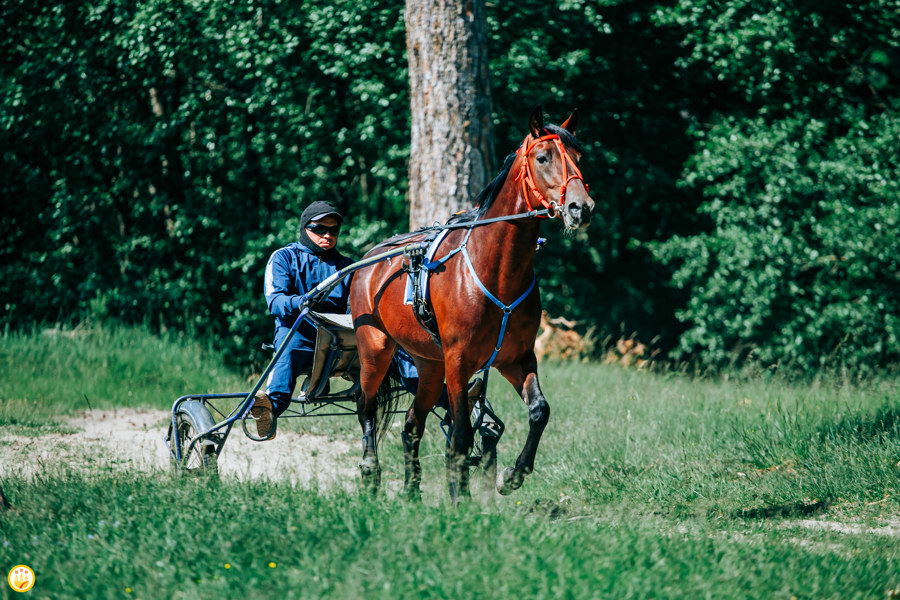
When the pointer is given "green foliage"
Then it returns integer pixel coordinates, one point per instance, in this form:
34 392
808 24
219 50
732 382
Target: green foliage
801 184
742 155
802 265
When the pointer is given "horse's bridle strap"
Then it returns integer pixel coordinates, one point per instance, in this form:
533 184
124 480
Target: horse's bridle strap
526 176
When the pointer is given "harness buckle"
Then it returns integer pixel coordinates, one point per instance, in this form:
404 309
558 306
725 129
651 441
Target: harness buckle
553 209
412 260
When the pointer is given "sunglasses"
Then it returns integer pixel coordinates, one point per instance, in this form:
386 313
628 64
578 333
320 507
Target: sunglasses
319 229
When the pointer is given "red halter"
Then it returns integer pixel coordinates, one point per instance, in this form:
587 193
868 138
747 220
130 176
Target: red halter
527 177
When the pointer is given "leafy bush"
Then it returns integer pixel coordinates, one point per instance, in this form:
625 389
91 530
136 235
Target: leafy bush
153 157
799 265
156 152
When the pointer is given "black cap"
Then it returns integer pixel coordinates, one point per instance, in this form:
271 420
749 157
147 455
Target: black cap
319 210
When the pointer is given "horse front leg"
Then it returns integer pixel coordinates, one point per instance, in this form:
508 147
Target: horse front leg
525 380
461 439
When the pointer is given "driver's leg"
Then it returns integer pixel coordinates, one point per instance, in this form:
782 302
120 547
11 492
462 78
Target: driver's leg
276 399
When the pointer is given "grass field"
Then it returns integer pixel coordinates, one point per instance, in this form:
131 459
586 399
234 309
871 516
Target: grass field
646 486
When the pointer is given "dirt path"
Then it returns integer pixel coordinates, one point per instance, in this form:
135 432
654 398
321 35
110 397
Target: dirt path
132 439
129 440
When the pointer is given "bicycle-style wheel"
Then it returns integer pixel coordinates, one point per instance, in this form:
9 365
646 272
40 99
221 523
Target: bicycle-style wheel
197 456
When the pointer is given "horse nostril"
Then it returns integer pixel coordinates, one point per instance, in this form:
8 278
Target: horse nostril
580 212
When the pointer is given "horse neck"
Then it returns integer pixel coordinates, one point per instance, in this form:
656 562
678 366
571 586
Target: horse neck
507 248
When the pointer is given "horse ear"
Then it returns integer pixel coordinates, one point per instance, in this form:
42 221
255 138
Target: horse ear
536 122
571 123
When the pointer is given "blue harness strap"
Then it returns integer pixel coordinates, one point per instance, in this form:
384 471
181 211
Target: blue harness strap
506 309
431 265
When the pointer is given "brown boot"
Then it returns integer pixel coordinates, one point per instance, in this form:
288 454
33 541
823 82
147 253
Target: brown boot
262 413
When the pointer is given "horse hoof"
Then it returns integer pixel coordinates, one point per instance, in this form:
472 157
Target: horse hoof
510 482
414 496
370 471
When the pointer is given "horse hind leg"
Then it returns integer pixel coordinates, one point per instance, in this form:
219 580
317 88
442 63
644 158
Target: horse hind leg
374 368
412 467
369 469
490 431
538 416
428 392
411 436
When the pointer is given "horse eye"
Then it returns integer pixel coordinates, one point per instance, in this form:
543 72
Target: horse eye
542 159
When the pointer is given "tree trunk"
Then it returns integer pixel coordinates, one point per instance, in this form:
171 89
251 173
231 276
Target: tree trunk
451 154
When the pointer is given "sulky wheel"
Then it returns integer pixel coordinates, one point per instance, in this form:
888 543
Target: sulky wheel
191 419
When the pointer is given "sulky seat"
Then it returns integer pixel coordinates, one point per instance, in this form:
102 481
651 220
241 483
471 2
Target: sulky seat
335 353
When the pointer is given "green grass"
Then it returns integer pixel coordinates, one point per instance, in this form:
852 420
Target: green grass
101 536
646 486
48 374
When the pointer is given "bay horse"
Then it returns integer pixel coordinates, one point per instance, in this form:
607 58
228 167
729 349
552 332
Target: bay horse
484 300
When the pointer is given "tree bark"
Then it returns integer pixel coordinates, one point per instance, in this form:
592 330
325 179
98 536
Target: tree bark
451 154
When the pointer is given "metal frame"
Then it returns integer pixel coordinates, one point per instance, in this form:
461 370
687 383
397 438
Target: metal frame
308 404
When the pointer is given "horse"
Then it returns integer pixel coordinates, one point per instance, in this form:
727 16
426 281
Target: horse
485 303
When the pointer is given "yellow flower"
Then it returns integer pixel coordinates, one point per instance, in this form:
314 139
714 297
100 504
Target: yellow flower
271 565
127 590
227 565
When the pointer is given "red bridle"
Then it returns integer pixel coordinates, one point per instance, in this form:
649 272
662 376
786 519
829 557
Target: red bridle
527 177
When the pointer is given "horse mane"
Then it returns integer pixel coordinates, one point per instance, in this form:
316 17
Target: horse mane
486 196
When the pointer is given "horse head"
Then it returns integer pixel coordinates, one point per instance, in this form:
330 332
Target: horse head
550 173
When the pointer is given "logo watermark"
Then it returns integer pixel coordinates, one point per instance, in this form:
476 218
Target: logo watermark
21 578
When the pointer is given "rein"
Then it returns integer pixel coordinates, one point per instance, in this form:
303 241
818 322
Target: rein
543 213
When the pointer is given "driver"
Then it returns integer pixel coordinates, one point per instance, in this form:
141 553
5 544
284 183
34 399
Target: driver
291 272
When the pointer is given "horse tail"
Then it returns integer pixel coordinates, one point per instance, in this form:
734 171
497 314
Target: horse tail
387 399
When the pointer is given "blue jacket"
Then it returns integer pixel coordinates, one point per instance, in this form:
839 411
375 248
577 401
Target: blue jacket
293 271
